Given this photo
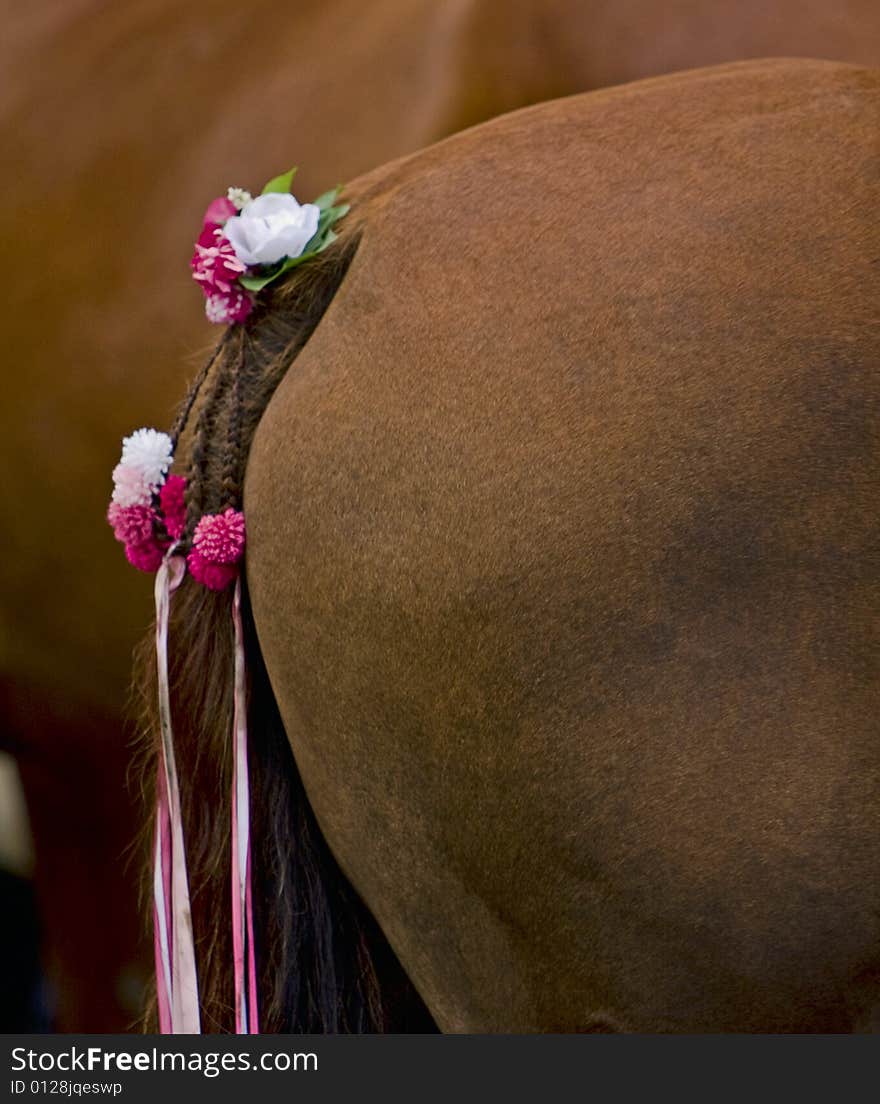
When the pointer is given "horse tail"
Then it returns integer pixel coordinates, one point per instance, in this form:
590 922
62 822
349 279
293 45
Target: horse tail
323 964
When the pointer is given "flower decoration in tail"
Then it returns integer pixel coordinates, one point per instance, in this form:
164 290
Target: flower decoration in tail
137 482
147 513
246 243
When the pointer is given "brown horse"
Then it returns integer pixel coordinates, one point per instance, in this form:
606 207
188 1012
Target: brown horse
563 562
123 120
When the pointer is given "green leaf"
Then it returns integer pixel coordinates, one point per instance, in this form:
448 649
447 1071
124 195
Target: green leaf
335 213
294 262
280 183
257 283
328 240
326 219
325 202
316 238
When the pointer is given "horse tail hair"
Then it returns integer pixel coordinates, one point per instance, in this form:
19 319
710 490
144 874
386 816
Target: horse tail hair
323 964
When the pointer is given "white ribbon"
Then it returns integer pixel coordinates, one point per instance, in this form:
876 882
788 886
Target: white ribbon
175 950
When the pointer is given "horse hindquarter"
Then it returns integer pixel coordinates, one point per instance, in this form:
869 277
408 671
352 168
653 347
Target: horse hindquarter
563 559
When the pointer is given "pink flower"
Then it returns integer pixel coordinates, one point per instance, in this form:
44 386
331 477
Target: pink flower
219 538
227 309
146 555
131 524
131 487
214 263
172 501
219 210
215 576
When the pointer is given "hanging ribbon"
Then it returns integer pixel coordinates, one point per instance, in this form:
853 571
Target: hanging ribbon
246 1013
176 980
162 904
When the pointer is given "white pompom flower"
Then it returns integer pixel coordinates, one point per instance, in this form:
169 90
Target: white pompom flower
150 452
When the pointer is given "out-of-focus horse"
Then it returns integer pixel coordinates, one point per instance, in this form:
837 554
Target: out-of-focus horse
563 563
122 120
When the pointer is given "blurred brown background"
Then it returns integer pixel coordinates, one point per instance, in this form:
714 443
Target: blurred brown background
120 122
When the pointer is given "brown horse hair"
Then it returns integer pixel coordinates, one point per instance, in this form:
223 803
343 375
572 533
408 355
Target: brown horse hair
323 964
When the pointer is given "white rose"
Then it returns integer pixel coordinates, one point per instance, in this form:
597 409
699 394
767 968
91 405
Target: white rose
270 227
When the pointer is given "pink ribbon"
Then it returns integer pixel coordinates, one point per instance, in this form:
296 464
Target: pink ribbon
244 958
176 979
162 904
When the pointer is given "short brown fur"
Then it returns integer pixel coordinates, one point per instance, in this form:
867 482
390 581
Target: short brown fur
563 559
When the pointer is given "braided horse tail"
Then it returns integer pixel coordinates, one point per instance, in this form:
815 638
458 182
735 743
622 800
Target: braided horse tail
323 964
